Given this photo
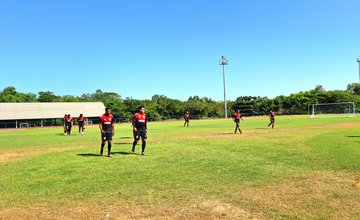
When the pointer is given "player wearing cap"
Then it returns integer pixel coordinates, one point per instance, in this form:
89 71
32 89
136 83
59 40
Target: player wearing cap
107 130
139 124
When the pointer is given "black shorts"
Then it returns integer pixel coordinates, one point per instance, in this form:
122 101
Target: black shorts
272 119
106 136
81 124
140 134
186 120
237 121
68 127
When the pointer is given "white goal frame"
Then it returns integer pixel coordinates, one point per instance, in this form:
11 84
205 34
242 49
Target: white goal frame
348 111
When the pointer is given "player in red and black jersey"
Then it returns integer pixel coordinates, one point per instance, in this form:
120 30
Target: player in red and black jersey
237 116
63 124
107 129
68 123
186 118
139 124
272 118
81 124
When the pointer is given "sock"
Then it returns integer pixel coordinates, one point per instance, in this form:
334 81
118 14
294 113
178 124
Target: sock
143 146
102 149
134 144
109 149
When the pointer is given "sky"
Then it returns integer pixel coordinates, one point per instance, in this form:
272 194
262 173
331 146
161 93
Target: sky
141 48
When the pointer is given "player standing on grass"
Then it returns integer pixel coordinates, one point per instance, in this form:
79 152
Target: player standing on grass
81 124
272 118
63 124
107 129
186 118
69 122
139 124
237 116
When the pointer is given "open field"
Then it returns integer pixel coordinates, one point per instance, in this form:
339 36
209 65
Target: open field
302 169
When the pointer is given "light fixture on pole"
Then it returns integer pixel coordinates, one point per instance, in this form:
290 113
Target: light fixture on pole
223 62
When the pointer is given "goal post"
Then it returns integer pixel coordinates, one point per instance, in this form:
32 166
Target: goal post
331 110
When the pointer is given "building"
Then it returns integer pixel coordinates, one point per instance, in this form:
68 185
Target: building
17 115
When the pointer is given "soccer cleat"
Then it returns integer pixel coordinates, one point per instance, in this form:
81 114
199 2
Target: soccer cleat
109 156
143 153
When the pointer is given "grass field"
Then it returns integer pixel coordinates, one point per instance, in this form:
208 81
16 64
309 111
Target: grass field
302 169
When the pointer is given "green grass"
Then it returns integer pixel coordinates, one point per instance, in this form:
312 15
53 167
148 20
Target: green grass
204 162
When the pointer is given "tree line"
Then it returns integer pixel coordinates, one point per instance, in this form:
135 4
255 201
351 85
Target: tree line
162 107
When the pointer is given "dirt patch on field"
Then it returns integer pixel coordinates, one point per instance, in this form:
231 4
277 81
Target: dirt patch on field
5 156
207 209
320 195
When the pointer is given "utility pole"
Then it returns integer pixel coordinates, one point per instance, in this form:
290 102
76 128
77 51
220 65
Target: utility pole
223 62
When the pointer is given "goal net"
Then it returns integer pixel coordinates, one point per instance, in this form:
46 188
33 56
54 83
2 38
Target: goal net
329 110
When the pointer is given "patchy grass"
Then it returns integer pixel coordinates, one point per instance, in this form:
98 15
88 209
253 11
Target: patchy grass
301 169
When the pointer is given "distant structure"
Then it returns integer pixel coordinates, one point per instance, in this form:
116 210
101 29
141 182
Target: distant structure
18 115
223 62
358 60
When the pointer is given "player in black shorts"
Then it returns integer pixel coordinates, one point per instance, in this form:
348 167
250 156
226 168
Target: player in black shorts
139 124
186 118
272 118
237 116
63 124
107 129
81 124
68 124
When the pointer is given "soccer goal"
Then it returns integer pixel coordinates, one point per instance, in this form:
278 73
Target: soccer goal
331 110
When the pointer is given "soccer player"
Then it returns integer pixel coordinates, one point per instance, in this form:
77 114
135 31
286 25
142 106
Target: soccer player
107 129
139 124
63 124
272 118
69 121
186 117
81 124
237 116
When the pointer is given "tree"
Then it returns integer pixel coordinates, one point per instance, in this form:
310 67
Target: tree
353 88
47 97
319 88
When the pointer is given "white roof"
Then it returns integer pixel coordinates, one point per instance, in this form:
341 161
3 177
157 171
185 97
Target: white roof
17 111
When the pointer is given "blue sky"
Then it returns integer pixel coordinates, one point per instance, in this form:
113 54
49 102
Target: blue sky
142 48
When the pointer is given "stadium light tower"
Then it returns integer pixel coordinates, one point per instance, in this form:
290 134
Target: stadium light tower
358 60
223 62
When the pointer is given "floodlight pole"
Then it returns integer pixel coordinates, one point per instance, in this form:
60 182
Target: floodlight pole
358 60
223 62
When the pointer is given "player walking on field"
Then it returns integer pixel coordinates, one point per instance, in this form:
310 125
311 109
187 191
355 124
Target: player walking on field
139 124
237 116
81 124
186 118
107 129
63 124
272 118
69 122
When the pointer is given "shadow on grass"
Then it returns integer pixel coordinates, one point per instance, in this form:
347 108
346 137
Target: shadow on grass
89 155
121 143
121 152
62 134
353 136
126 137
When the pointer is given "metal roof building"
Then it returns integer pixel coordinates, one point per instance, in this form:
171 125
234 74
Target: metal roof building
53 110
